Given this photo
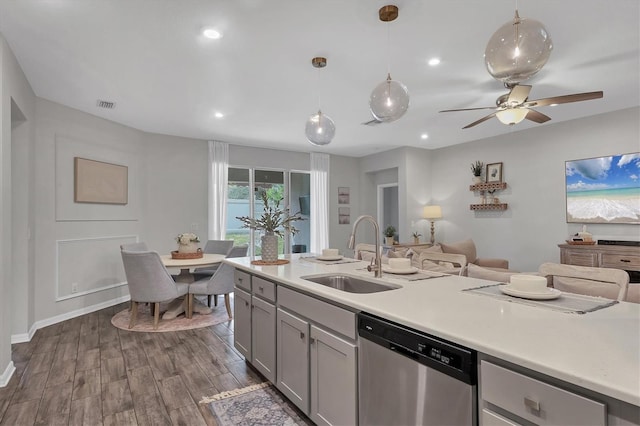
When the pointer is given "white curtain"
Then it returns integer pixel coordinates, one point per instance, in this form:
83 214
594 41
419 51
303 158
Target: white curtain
218 167
319 217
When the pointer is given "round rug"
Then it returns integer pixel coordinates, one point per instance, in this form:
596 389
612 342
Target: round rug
144 320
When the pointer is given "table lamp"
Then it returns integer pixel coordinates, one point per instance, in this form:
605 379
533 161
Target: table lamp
432 213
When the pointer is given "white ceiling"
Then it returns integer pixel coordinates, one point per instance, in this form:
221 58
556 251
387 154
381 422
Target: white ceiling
149 57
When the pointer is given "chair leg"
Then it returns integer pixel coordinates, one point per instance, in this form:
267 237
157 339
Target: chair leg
227 303
215 300
156 315
209 300
134 314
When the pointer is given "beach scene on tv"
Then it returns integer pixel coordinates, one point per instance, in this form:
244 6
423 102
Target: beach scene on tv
604 189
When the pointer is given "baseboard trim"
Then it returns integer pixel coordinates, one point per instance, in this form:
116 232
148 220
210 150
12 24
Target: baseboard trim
26 337
6 376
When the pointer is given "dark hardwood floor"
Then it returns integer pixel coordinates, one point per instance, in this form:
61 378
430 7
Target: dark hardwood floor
86 371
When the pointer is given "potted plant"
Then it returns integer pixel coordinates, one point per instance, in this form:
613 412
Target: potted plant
389 232
476 169
187 242
273 222
416 237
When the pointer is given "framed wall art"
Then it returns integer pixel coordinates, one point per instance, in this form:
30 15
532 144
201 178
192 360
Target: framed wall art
494 172
99 182
344 215
343 195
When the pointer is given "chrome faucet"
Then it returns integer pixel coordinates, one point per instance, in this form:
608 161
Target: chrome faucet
377 267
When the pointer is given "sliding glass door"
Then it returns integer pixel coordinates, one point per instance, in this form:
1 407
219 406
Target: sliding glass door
245 188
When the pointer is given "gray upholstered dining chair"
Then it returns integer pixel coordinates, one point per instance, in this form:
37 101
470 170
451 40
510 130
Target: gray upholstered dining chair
219 283
601 282
149 282
213 247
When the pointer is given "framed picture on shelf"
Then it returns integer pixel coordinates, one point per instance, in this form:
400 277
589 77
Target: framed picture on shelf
494 172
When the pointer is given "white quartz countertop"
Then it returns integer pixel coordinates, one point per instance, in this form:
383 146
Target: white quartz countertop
599 350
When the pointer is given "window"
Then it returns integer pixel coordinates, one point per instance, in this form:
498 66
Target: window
244 188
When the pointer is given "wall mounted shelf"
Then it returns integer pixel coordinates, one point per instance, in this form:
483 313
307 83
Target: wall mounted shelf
499 206
488 186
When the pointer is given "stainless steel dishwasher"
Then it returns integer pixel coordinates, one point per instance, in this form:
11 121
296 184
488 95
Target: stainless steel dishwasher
407 377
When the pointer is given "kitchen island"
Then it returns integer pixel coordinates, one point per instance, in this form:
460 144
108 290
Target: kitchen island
597 353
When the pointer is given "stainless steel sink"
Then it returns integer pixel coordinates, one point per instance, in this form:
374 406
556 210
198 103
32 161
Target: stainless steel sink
350 283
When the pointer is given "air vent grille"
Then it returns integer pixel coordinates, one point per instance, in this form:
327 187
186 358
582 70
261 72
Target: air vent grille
106 104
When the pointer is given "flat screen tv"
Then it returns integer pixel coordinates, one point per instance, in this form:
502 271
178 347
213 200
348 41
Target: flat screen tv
604 189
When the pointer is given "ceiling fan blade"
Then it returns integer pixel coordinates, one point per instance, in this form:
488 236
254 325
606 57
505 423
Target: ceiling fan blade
576 97
371 122
485 118
536 116
467 109
518 94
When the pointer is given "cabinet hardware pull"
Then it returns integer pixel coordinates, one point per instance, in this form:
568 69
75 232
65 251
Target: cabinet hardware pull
312 341
625 260
261 289
534 405
246 303
240 279
301 335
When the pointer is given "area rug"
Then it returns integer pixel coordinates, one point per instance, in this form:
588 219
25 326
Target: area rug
259 404
144 320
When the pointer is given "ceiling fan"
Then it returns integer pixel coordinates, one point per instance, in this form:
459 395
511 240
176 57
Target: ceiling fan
515 106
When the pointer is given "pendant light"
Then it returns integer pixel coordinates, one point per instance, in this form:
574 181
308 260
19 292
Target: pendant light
320 128
390 99
517 50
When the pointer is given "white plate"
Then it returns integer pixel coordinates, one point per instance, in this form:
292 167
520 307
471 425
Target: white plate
329 257
401 271
548 294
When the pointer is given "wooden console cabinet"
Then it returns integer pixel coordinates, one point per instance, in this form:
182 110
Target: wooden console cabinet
601 256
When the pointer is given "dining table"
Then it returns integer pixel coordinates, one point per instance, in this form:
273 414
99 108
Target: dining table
178 306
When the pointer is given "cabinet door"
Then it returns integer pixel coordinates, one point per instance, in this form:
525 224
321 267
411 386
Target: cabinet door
242 322
292 369
333 379
263 338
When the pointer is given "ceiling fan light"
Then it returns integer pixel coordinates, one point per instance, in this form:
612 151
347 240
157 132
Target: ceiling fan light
517 50
389 100
320 129
512 115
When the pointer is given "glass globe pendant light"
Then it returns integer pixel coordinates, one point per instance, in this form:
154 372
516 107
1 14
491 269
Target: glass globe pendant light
517 50
320 128
390 99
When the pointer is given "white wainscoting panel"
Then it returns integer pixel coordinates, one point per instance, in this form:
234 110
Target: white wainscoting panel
89 265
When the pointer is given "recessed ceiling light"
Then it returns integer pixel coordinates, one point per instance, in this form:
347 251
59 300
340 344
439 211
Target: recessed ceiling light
211 33
218 114
424 136
434 61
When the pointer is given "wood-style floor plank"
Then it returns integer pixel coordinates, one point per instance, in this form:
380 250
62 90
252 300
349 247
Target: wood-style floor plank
84 371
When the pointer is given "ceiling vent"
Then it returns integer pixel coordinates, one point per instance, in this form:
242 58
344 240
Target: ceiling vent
106 104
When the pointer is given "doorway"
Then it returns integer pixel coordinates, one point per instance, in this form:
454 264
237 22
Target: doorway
388 211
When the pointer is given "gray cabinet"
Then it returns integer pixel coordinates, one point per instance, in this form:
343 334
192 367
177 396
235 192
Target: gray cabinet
333 379
511 398
242 322
263 337
293 359
317 368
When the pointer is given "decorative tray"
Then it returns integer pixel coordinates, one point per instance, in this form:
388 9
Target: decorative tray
580 243
196 255
267 263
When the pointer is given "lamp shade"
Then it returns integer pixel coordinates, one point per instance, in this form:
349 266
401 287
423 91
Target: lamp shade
320 129
389 100
432 212
517 50
512 115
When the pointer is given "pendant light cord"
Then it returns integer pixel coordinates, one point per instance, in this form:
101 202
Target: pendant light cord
388 50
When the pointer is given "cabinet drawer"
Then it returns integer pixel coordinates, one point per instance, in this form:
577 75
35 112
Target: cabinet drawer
264 289
242 279
537 401
489 418
570 257
333 317
621 261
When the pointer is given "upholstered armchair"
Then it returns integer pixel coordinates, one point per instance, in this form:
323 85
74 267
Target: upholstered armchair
600 282
213 247
468 249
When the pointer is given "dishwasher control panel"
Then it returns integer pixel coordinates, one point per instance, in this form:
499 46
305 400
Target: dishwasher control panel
447 357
